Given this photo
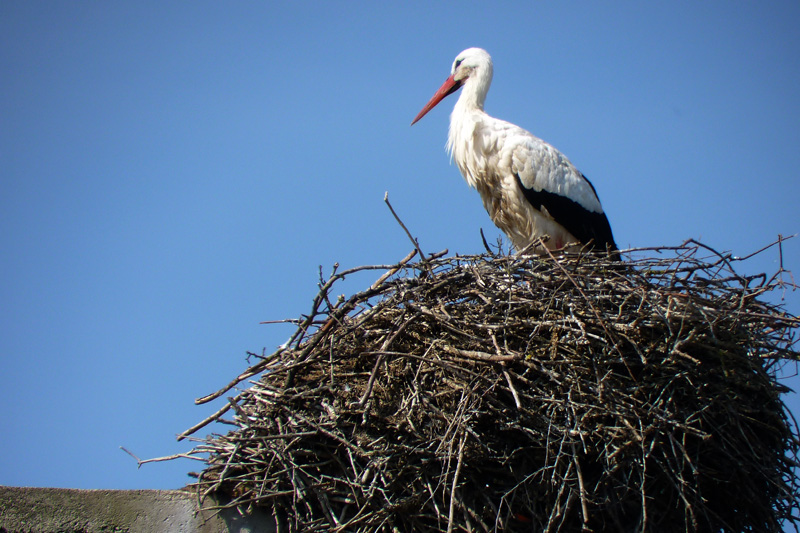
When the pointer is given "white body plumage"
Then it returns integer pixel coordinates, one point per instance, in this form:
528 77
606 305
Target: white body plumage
530 189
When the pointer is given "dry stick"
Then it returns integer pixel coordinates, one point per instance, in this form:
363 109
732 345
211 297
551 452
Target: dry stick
228 463
224 409
371 383
723 259
479 356
779 242
394 270
581 487
455 482
250 372
397 218
781 269
513 390
557 511
188 455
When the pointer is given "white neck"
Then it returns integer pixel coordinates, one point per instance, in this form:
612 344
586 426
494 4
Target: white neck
473 93
467 112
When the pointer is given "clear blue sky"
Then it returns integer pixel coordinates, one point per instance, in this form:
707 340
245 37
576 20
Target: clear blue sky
173 174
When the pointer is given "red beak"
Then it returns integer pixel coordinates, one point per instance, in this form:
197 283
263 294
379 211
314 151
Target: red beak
448 87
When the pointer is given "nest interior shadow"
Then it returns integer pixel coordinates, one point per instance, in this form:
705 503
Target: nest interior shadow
514 393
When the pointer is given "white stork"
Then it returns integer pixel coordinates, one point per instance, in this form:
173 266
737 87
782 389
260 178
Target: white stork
530 189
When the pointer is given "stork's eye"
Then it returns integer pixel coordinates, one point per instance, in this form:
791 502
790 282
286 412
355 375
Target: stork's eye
458 62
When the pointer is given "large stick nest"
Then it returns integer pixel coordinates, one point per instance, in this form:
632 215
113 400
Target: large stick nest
513 393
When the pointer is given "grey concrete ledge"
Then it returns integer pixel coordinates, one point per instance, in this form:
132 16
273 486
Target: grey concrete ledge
45 510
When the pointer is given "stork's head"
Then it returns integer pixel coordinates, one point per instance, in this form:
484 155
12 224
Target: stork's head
472 69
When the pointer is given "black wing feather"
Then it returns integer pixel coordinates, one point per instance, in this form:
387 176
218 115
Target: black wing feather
584 225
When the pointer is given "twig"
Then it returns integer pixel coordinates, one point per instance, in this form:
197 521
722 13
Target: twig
454 485
397 218
581 488
140 462
203 423
512 389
